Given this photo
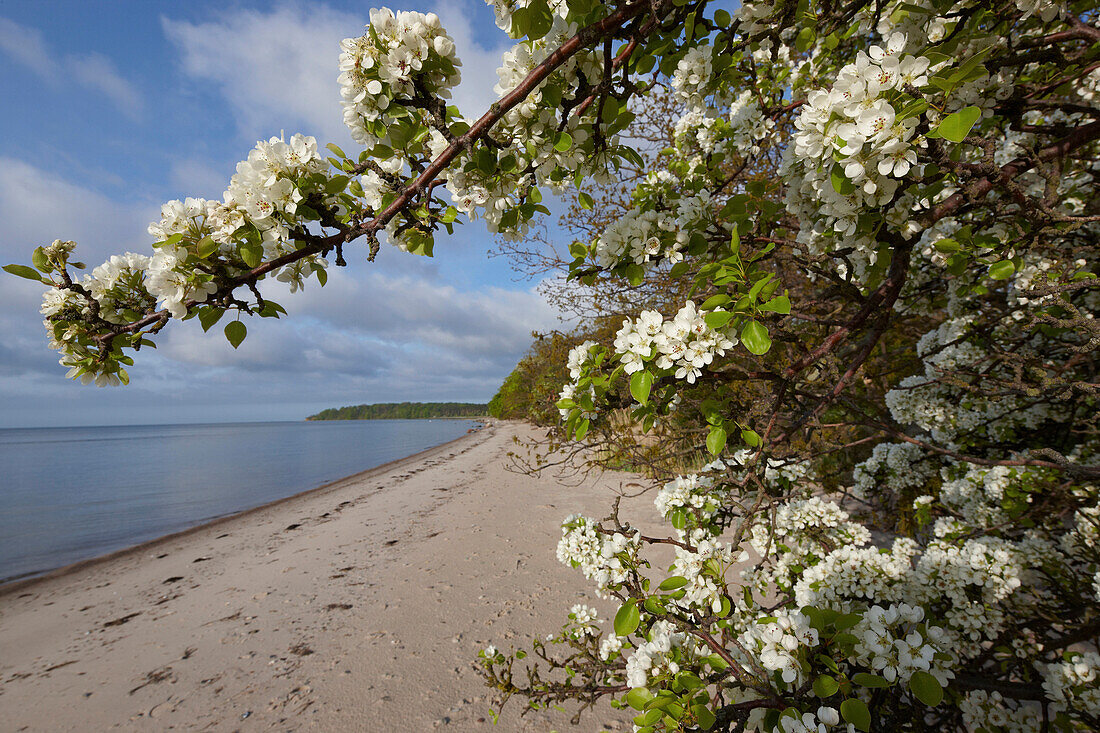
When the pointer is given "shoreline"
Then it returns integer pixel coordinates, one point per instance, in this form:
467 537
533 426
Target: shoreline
20 582
358 605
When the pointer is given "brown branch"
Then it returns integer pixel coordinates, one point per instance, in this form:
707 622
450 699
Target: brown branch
1078 138
584 38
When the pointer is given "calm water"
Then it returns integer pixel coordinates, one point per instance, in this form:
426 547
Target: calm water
67 494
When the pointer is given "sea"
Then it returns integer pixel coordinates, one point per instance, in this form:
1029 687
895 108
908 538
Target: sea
69 494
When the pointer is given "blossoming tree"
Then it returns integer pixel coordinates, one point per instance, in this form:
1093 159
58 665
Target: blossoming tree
902 533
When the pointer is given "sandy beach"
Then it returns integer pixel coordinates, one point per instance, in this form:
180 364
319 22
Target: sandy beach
354 607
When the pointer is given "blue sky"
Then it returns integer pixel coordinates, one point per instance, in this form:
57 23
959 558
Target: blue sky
112 108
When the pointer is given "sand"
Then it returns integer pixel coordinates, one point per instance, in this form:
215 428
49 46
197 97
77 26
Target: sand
358 606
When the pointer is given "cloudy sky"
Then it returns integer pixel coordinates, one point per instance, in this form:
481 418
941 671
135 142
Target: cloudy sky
112 108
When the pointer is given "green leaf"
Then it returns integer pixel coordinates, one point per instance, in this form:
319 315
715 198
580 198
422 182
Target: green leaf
805 39
634 273
486 161
638 697
235 331
23 271
585 200
676 581
336 184
336 150
1002 270
582 429
640 385
449 215
947 245
957 125
541 19
913 109
272 309
778 304
209 316
755 338
703 716
714 301
855 712
751 438
847 621
926 688
206 247
627 618
841 183
716 439
563 141
40 260
521 22
252 253
869 680
825 686
717 319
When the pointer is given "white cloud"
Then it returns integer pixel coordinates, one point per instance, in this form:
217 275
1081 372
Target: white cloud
490 323
199 179
93 71
26 46
38 206
277 69
376 325
96 71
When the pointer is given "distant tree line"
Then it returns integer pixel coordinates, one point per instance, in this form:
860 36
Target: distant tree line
402 411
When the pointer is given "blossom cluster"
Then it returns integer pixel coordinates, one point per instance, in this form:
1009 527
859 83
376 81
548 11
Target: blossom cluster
893 642
584 620
801 534
663 652
404 56
200 242
952 416
605 559
781 644
853 148
891 469
261 206
669 208
698 498
1075 682
703 569
683 344
693 73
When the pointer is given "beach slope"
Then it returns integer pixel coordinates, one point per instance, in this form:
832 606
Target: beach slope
356 606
